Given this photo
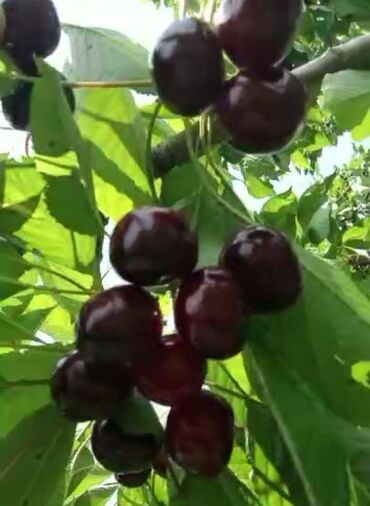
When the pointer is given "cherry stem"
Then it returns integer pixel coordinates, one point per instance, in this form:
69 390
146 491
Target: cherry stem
149 163
139 83
23 383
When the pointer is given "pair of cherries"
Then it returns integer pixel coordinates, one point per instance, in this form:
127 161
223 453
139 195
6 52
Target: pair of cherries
120 342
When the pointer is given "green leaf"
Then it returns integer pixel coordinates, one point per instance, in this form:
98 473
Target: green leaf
280 212
33 460
76 217
116 148
358 237
96 51
258 188
347 96
13 265
47 103
99 496
7 84
357 9
307 429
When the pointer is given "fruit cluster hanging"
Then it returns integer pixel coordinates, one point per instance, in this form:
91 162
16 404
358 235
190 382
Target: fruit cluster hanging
121 347
262 107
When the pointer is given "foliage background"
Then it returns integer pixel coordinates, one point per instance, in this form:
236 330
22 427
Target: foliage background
301 389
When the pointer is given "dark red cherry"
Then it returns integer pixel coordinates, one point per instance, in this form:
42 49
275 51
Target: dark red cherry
262 114
152 245
121 325
84 392
188 67
32 28
200 434
257 33
266 268
208 313
175 370
120 452
133 480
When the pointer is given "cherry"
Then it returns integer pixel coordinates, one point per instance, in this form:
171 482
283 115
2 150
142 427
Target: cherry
133 480
152 244
199 434
262 114
173 371
120 452
267 269
32 27
257 33
17 105
119 325
188 67
88 393
208 313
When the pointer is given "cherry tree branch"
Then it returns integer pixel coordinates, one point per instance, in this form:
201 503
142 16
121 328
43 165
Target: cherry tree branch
354 55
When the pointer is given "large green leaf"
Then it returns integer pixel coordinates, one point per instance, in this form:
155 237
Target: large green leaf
347 95
307 429
96 51
33 460
116 146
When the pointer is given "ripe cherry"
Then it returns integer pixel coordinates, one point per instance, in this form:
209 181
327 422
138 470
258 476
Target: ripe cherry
120 452
120 325
173 371
188 67
200 433
263 262
262 114
257 33
88 393
152 245
133 480
32 27
208 313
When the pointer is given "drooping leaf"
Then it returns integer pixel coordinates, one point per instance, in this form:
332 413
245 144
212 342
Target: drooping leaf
33 460
96 51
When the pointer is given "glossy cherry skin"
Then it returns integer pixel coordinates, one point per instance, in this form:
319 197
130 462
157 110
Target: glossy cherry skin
32 27
200 433
152 245
120 325
208 313
266 268
262 114
257 33
188 67
88 393
133 480
174 370
122 453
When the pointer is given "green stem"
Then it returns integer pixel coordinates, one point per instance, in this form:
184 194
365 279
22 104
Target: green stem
238 215
233 381
47 348
140 83
23 383
149 163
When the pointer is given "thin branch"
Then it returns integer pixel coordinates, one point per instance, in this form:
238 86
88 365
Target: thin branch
354 55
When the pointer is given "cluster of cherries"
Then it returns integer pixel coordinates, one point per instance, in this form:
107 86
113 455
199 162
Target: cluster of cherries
29 28
121 347
263 106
